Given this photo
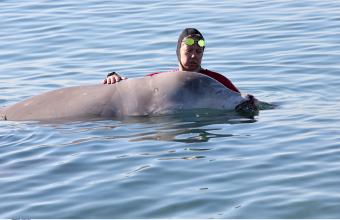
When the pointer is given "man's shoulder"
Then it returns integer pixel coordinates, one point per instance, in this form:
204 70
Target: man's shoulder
209 72
221 78
206 70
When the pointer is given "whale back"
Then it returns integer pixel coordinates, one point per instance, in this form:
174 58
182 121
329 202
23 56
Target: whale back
158 94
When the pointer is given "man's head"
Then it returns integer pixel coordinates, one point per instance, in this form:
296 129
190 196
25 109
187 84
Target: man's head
190 48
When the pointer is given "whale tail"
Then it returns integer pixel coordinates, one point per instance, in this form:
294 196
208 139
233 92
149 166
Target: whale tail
2 114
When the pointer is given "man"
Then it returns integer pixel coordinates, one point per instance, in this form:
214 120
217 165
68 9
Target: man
190 49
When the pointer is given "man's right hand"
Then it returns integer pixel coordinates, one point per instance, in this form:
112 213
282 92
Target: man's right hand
112 78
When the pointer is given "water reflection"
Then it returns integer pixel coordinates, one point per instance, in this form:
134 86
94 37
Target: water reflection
187 127
192 126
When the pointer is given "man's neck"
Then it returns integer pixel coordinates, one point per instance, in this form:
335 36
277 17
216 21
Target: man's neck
195 70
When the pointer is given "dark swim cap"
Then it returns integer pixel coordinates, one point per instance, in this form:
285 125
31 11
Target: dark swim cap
185 33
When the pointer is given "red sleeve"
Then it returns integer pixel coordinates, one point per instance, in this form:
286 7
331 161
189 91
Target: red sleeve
222 79
152 74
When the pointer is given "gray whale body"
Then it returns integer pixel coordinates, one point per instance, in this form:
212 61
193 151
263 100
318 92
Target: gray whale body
153 95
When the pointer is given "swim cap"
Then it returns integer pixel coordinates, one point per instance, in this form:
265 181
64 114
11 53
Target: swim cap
185 33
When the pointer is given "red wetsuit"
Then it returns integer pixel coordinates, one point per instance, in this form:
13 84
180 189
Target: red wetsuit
217 76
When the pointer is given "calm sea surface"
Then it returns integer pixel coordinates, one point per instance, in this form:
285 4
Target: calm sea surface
283 164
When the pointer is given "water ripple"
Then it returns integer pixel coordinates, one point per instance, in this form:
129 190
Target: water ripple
281 164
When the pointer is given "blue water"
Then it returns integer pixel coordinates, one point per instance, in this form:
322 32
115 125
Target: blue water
283 164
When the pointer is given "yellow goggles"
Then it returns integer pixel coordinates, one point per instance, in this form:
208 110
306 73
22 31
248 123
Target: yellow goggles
190 41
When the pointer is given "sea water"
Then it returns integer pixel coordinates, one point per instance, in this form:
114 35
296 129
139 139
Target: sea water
283 163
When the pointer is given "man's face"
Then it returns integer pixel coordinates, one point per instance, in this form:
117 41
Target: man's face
191 56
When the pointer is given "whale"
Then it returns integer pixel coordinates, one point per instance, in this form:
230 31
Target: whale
164 93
